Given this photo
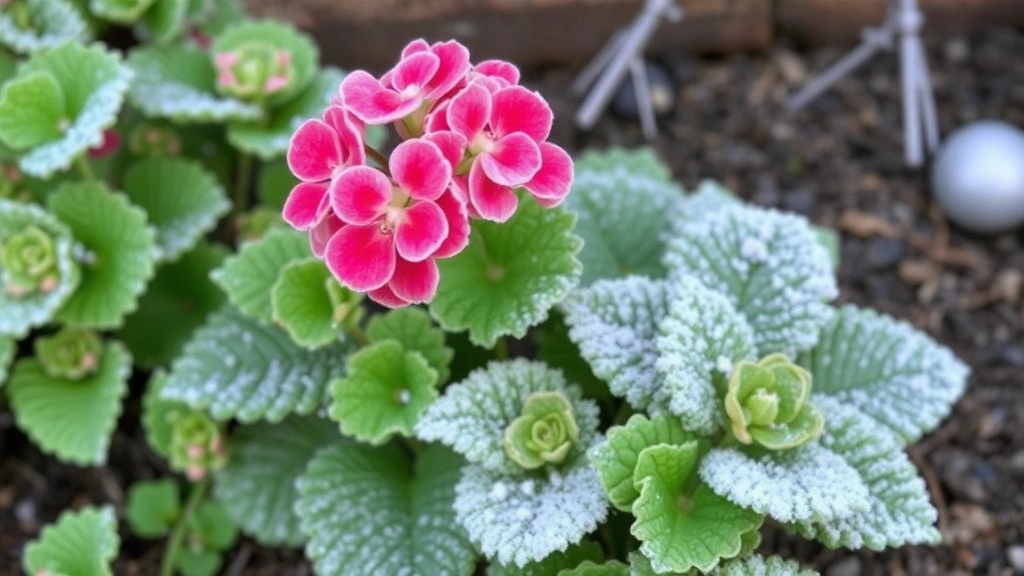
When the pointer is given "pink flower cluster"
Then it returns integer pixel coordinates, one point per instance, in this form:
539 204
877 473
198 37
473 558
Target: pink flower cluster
470 135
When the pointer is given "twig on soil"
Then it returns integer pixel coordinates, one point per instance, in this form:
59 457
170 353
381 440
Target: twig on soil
241 559
934 487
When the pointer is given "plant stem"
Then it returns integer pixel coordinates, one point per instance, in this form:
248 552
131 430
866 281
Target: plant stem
501 349
356 332
194 498
83 166
243 182
373 153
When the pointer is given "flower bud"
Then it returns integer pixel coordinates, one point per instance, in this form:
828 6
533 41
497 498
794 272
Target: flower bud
544 433
71 354
196 445
253 71
28 262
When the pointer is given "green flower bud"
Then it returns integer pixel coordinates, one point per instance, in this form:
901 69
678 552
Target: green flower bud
197 446
28 262
544 434
253 71
767 403
347 305
71 354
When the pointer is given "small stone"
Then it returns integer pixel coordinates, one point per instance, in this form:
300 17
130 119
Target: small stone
1015 554
849 566
884 253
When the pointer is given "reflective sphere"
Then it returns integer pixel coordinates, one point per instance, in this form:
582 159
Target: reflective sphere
978 177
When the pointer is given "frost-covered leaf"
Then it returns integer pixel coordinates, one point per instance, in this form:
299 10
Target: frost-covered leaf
413 328
118 253
249 276
81 543
762 566
235 367
510 275
73 420
899 511
680 528
555 348
616 457
709 196
368 510
181 199
517 519
806 483
384 392
27 311
472 415
771 267
153 507
886 368
52 22
589 568
553 563
7 349
177 82
625 202
257 487
120 11
700 340
615 324
301 303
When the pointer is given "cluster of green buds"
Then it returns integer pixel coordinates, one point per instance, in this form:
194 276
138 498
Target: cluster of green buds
197 445
767 404
28 262
70 354
544 433
154 140
253 71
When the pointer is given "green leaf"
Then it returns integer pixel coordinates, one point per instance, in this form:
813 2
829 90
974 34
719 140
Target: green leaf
20 314
211 528
177 82
523 518
235 367
771 267
413 329
120 11
181 199
701 339
301 303
616 458
274 183
53 22
81 543
368 509
762 566
197 563
588 568
118 257
806 483
625 202
249 276
279 37
72 420
887 369
257 487
8 348
680 530
899 511
473 414
165 20
31 109
384 393
709 197
553 563
178 299
510 275
615 324
153 507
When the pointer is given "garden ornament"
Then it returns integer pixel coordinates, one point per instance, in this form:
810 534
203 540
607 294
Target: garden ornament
903 23
624 52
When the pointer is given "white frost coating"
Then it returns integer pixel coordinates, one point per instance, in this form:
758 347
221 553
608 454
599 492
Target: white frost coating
886 368
760 566
472 415
770 266
701 333
806 483
528 526
61 20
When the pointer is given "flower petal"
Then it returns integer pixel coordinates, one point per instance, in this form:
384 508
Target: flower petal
469 110
420 169
452 146
360 195
418 45
458 225
385 296
321 233
414 71
490 200
306 205
514 160
421 232
551 184
361 258
350 134
373 103
506 71
516 109
454 63
314 151
415 282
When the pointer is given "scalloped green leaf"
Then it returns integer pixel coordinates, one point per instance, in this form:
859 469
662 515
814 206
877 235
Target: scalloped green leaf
553 563
178 299
302 52
522 518
153 507
301 303
616 458
769 264
899 511
165 20
413 328
31 108
589 568
235 367
257 486
758 565
700 340
158 414
211 527
197 563
615 324
678 529
709 196
510 275
7 349
177 82
367 508
886 368
81 543
73 420
182 200
473 414
119 11
248 277
806 483
28 311
385 391
625 202
53 22
117 253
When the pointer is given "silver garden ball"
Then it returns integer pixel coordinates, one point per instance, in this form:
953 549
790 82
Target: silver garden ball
978 177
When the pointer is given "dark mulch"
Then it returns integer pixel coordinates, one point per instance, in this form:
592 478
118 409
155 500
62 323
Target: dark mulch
840 163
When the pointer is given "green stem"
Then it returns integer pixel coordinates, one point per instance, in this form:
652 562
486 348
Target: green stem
356 332
377 156
198 491
243 182
83 166
501 349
